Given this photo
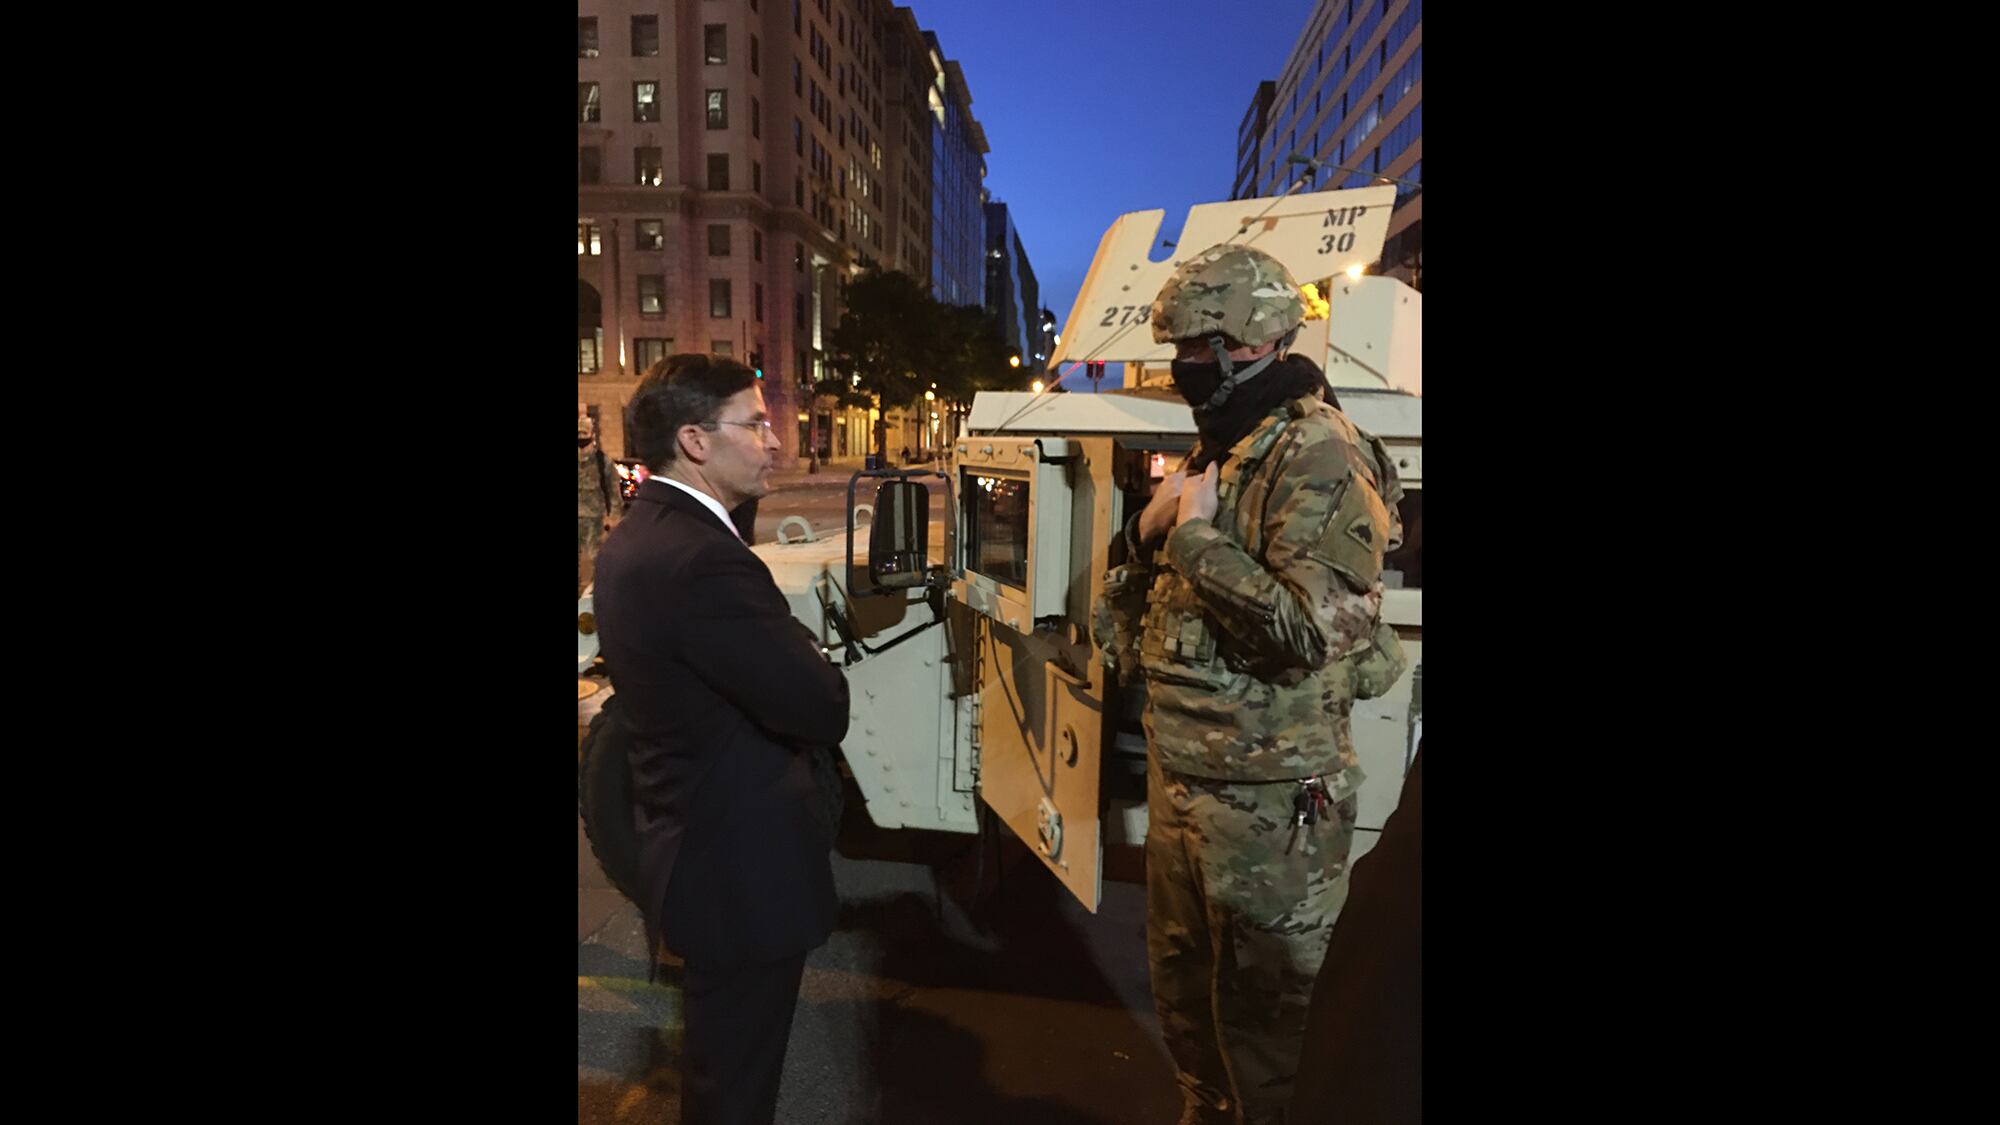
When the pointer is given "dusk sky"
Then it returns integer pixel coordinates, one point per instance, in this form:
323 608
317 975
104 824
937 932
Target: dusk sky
1098 107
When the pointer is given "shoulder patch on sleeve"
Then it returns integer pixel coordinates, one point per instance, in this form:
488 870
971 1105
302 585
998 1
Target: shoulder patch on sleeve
1355 536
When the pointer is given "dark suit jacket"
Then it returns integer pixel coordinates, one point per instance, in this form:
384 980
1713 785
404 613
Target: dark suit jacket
745 519
723 692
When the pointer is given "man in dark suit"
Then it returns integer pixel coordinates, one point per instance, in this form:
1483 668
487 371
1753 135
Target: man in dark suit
1363 1057
726 696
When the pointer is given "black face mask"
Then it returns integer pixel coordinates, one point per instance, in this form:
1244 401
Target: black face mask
1196 381
1202 384
583 442
1222 426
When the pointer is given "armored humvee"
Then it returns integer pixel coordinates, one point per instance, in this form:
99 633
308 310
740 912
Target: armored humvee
967 646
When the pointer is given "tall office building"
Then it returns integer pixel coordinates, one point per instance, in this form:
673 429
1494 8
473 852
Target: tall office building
1351 94
1012 295
737 162
958 174
1250 140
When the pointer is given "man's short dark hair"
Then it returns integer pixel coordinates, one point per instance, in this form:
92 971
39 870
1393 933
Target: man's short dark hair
680 390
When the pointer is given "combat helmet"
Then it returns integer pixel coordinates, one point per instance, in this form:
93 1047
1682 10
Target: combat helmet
1235 291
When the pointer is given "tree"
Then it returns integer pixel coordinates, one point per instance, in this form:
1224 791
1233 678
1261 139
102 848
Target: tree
970 355
884 339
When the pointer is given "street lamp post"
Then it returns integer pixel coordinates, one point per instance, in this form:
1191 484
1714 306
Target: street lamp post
927 434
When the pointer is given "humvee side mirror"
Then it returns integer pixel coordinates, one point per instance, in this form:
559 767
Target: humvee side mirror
898 535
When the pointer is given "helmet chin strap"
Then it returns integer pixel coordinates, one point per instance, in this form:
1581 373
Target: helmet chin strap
1231 377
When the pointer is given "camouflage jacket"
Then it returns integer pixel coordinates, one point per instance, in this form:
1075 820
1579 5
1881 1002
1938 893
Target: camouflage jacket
1263 625
596 486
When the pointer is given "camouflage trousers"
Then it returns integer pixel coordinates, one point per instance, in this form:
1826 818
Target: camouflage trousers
589 533
1239 908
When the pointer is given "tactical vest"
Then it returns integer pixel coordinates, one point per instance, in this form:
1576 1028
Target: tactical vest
1211 711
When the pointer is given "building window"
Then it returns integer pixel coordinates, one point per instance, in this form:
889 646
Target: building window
718 240
799 256
1406 131
1415 174
1405 78
587 241
799 312
587 351
756 118
645 36
586 37
588 109
714 44
760 302
798 78
652 349
1413 12
652 171
757 245
798 191
645 101
590 165
652 294
652 234
753 54
718 171
718 110
718 298
798 137
757 177
721 347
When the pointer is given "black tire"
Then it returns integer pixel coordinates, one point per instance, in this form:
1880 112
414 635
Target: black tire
604 796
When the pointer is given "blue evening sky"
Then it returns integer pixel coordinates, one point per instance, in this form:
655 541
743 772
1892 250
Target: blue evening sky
1098 107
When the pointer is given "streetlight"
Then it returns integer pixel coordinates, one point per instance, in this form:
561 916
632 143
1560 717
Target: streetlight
1013 361
1036 386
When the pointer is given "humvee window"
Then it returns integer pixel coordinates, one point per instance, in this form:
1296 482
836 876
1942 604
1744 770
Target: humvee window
996 539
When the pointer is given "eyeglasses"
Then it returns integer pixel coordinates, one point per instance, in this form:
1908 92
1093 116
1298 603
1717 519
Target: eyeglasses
764 425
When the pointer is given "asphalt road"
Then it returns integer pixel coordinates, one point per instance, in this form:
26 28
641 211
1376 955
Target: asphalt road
821 499
962 985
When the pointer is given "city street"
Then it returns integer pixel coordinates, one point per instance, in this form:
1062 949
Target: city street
821 499
920 1010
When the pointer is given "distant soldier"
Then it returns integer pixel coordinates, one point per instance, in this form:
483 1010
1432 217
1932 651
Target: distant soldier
597 498
1251 606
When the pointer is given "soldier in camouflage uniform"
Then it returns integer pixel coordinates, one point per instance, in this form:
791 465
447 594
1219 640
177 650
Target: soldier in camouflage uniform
1251 609
597 498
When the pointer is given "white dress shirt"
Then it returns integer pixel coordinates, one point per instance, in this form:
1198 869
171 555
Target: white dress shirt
710 502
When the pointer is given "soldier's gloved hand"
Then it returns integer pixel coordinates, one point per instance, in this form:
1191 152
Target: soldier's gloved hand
1158 518
1198 499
